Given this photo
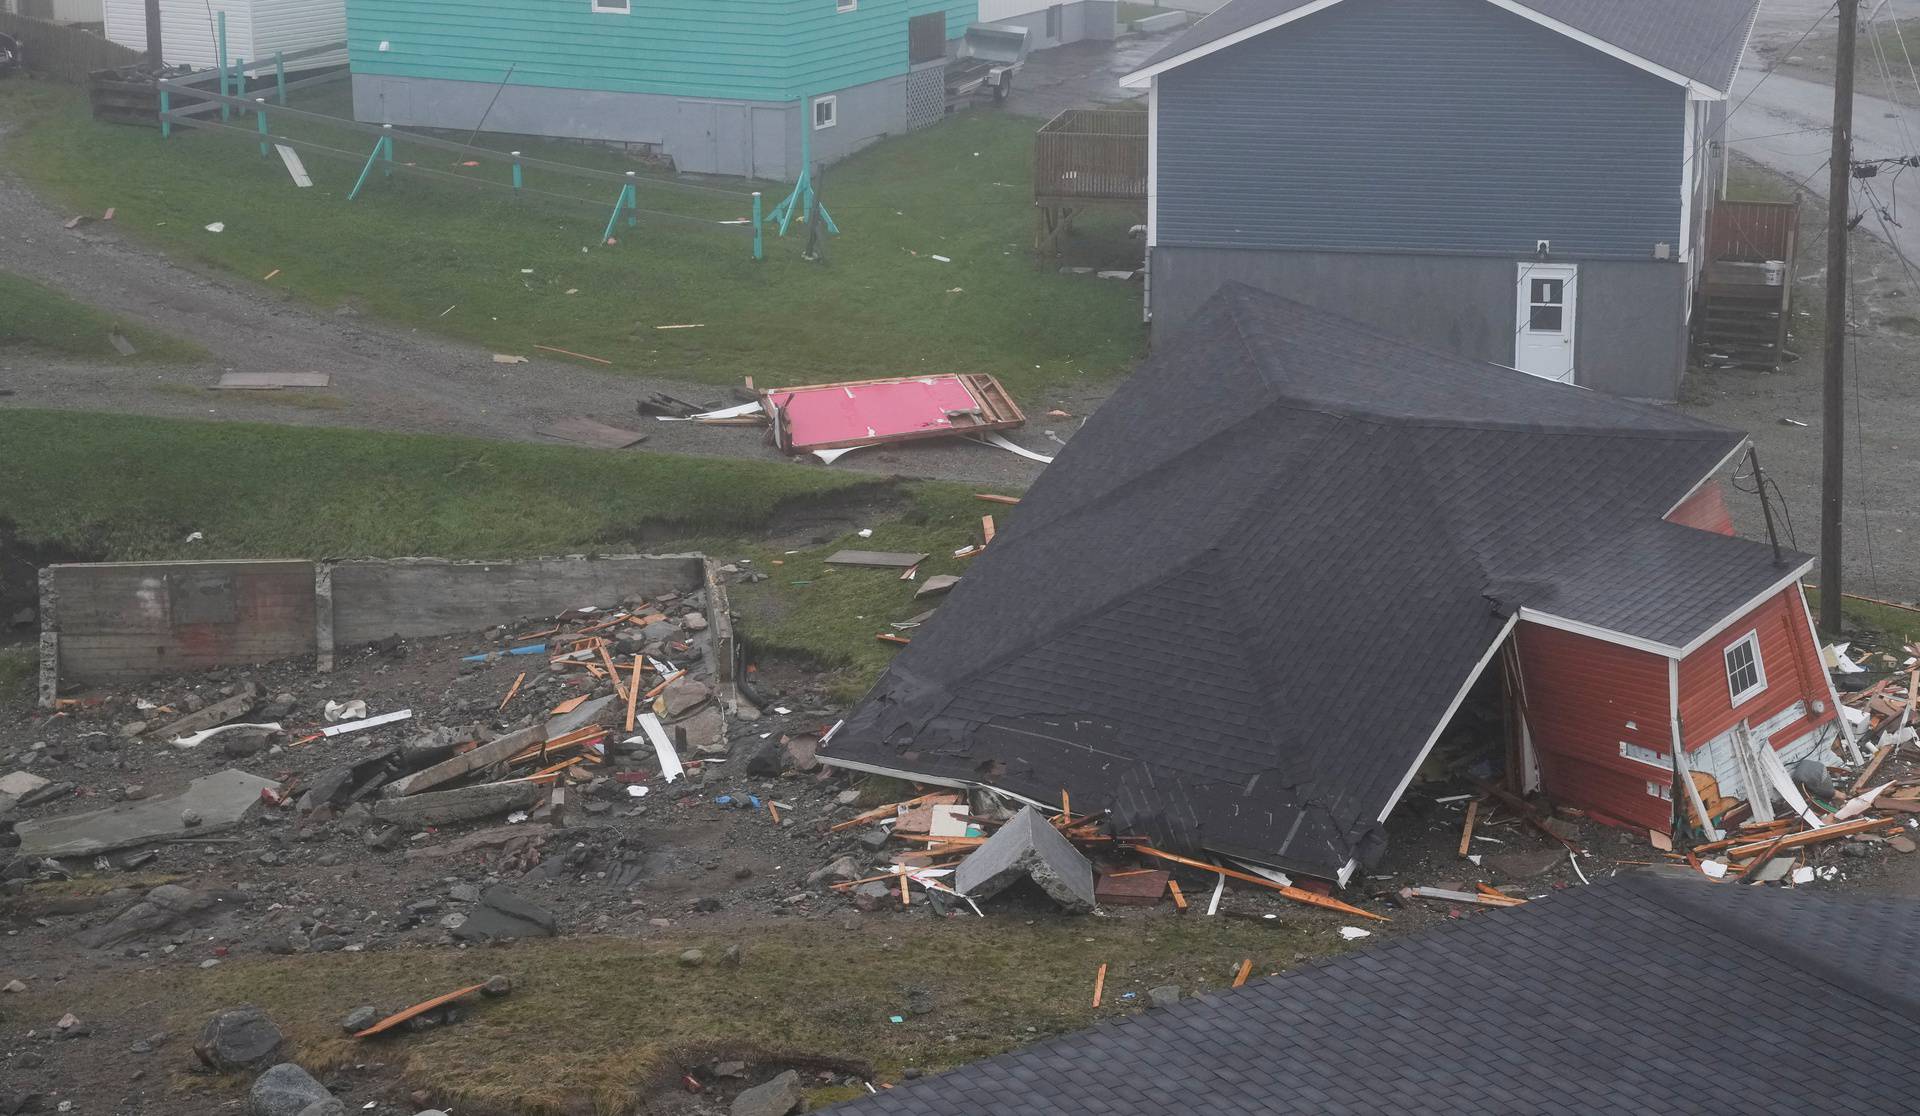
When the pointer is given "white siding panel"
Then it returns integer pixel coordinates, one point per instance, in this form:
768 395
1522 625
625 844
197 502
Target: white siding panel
186 29
290 25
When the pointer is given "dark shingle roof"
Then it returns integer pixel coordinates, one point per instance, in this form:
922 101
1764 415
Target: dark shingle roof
1637 995
1700 39
1171 624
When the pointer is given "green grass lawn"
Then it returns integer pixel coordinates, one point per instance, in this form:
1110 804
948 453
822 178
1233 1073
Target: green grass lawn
450 255
596 1023
262 491
35 317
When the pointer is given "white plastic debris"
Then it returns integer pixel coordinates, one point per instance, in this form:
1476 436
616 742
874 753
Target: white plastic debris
866 532
197 536
217 226
516 817
1714 868
636 791
198 738
345 710
370 722
1354 933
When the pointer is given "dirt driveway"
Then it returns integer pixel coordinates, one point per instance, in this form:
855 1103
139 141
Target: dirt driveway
384 378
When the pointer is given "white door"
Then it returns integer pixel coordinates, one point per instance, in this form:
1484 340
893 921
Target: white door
1543 330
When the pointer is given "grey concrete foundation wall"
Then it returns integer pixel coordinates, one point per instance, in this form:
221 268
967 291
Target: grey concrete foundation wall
1085 19
1630 332
412 597
702 135
108 623
125 620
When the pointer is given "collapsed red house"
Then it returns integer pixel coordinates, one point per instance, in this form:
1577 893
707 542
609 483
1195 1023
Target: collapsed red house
1245 602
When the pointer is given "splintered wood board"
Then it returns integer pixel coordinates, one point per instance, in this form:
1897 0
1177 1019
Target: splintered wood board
263 381
890 559
586 432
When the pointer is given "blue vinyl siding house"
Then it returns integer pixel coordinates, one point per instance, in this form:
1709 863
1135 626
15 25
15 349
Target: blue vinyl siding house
716 85
1526 182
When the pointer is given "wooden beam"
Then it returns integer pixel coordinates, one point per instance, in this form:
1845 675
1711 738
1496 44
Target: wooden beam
1239 978
1811 837
1298 895
1466 830
400 1017
1099 983
633 691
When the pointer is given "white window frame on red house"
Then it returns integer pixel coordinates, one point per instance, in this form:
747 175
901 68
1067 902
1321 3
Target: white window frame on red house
1751 641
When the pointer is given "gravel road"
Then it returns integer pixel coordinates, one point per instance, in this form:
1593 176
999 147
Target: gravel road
385 378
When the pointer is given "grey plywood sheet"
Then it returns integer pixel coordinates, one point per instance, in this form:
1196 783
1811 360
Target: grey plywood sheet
888 558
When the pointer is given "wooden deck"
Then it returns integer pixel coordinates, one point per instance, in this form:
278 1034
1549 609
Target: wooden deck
1085 157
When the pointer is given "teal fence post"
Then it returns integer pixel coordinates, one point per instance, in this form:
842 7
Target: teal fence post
166 113
632 201
379 146
240 80
280 74
220 50
260 117
516 171
386 147
759 244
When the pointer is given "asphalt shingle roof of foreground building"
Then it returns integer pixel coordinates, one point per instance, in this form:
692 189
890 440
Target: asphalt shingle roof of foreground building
1644 994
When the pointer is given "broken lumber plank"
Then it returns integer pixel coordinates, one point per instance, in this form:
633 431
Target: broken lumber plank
1530 815
219 713
1460 896
1812 836
633 691
1887 748
1466 830
613 672
996 499
511 690
473 759
1246 970
885 558
986 529
1760 861
892 809
1179 900
1298 895
1099 983
565 352
400 1017
889 637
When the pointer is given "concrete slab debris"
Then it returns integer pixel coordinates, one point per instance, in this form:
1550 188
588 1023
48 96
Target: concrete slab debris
219 801
219 713
474 759
937 584
18 783
581 716
422 811
1028 846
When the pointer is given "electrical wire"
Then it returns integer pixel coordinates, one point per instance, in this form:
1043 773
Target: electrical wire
1859 441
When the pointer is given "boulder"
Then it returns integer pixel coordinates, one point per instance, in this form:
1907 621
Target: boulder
682 696
359 1019
1163 995
240 1039
800 753
285 1090
775 1098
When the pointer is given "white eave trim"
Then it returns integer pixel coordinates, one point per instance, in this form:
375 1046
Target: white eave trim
1140 77
1711 475
1453 707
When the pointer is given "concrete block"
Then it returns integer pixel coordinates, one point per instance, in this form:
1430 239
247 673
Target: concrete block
422 811
1028 846
218 801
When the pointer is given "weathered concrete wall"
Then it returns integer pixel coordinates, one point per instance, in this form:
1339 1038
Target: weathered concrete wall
107 623
426 596
126 620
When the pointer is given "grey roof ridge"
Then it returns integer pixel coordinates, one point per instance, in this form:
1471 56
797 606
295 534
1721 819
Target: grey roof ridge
1746 933
1746 40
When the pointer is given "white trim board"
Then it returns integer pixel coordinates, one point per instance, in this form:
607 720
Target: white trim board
1453 707
1709 476
1141 77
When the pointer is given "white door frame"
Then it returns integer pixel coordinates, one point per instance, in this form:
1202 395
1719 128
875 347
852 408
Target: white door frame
1547 354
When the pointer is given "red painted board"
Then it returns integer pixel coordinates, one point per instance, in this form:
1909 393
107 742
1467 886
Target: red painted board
841 413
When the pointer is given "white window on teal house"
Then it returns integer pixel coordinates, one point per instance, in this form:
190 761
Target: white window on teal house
826 112
616 7
845 5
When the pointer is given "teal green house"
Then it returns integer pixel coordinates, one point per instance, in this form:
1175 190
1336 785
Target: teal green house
717 86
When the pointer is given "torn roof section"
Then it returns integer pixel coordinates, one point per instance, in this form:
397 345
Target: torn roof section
1635 995
1284 502
1699 41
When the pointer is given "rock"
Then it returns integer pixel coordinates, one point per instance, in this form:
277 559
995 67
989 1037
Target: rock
332 1106
694 622
704 732
510 902
1164 995
503 914
847 797
731 957
14 986
242 742
921 1001
497 985
875 839
359 1019
775 1098
799 753
1856 850
839 871
682 696
189 818
464 893
1902 844
1812 774
23 1102
384 839
693 958
765 759
1524 864
870 896
160 908
285 1090
133 728
239 1039
133 792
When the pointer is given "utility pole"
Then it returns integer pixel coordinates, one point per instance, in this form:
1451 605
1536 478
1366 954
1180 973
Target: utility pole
153 35
1832 459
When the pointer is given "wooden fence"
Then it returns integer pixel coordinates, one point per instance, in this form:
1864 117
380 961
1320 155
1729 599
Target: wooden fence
1752 230
65 53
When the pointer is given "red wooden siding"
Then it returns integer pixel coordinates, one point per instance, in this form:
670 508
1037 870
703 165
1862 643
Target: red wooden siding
1705 509
1789 659
1585 697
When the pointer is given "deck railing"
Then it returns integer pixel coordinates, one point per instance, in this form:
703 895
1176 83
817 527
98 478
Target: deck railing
1091 153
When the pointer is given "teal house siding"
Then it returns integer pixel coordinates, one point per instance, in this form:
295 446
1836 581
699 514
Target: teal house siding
714 85
757 50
